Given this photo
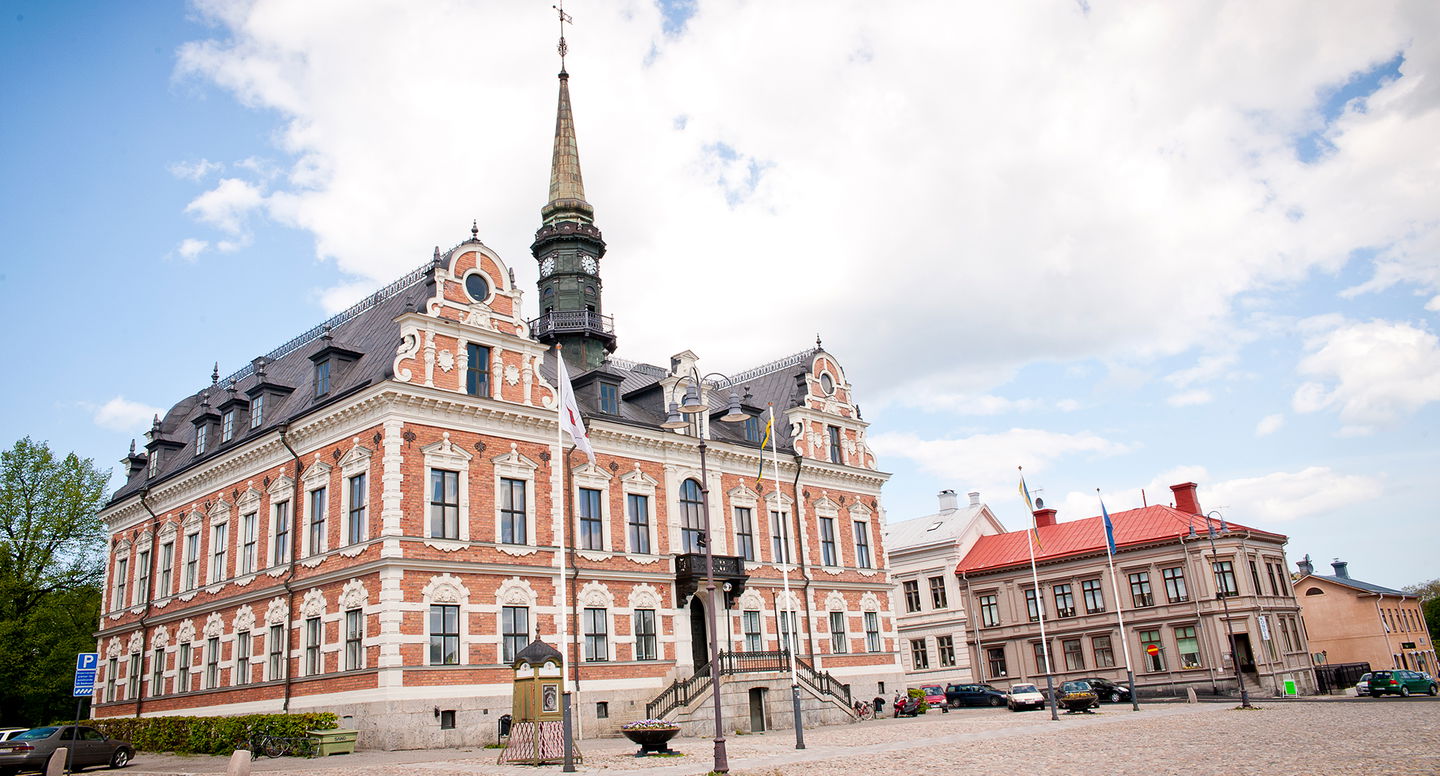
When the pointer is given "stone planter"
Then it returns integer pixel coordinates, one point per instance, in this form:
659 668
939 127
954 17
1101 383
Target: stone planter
652 740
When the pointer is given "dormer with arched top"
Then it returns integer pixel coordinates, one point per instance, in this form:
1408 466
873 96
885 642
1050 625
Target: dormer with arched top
825 423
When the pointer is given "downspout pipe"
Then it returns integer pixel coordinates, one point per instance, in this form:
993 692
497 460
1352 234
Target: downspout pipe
800 554
149 594
290 573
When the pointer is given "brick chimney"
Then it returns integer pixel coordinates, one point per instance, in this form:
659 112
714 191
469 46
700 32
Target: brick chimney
1044 516
948 502
1341 568
1185 498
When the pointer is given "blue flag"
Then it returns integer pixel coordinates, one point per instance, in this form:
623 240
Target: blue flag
1109 528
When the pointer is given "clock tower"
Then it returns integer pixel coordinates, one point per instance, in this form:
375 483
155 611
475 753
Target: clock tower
568 247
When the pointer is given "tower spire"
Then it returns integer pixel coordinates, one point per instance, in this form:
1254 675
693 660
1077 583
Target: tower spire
567 187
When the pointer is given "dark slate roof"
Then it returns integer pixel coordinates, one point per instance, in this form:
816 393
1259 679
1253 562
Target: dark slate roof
1358 585
535 653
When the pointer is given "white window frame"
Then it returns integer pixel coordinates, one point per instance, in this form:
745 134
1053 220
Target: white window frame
447 456
219 536
316 478
353 464
638 483
514 466
281 497
592 477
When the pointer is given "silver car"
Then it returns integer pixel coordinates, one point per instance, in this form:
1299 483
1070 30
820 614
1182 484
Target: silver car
31 750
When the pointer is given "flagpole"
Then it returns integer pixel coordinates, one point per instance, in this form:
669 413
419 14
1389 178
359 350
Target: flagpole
557 483
788 614
1119 609
1044 642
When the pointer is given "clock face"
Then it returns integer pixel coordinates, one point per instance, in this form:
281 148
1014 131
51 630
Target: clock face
588 264
547 266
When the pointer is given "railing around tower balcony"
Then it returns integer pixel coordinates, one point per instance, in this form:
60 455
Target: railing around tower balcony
571 321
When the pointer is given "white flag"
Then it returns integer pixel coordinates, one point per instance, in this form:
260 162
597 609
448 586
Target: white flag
570 419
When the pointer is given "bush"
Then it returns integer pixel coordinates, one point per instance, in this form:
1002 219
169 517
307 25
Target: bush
208 735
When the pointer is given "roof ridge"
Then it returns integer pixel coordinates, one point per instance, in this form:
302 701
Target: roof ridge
774 366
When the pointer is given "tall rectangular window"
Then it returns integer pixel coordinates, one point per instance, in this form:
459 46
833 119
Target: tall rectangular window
257 411
637 522
938 599
995 661
750 626
142 573
112 672
1032 605
1140 589
154 463
945 651
122 571
444 504
317 521
1270 572
240 673
1225 579
592 531
167 564
835 452
990 610
1155 662
192 560
322 378
752 429
354 639
1188 647
691 517
444 635
219 549
789 632
609 399
1175 584
477 370
355 517
1094 596
227 426
1042 655
828 556
132 676
919 655
514 631
512 511
275 647
248 537
872 632
281 543
779 538
862 544
911 587
1064 601
1074 654
182 669
212 663
201 438
744 533
1255 576
157 672
646 642
313 632
1104 653
839 640
597 636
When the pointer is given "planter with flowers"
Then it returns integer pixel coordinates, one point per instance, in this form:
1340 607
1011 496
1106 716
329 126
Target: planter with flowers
652 735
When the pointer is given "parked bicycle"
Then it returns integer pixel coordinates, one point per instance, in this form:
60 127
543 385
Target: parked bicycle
272 746
863 710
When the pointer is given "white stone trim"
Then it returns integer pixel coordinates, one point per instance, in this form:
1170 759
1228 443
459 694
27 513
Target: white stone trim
592 477
638 483
445 455
355 462
514 466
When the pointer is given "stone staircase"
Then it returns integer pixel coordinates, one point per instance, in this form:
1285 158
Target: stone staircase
755 689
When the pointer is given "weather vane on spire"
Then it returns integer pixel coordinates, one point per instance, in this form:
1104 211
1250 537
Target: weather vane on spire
564 19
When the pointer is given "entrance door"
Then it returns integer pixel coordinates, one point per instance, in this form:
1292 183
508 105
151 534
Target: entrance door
1243 653
699 636
757 709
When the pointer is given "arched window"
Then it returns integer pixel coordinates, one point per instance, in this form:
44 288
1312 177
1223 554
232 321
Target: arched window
692 520
1314 591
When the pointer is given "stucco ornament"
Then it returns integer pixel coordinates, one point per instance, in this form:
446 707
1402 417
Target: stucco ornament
186 632
277 611
214 626
137 641
596 596
446 589
244 619
515 592
354 595
644 596
314 603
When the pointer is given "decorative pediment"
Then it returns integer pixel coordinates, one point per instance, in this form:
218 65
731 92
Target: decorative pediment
824 504
514 461
595 595
743 495
193 520
515 592
249 501
860 511
589 471
778 501
645 596
121 548
244 619
751 599
113 648
834 602
317 474
167 531
314 603
281 488
137 642
354 595
357 457
186 631
446 453
277 611
869 602
637 480
220 510
787 601
446 589
214 626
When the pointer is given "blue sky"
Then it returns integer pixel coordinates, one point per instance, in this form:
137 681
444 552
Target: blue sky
1123 248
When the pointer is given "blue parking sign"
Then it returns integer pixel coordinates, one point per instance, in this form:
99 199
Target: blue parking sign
86 664
87 661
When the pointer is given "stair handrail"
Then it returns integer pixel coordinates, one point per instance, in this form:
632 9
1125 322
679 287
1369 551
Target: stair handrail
679 693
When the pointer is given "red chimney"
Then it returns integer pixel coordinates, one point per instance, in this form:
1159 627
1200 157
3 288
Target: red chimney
1044 517
1185 498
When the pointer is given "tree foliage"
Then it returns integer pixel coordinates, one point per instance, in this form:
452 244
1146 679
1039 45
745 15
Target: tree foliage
1429 593
51 564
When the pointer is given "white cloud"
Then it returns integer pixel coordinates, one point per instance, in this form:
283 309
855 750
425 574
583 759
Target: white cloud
1370 373
190 248
1269 425
988 461
195 171
1207 368
121 414
1190 398
1166 189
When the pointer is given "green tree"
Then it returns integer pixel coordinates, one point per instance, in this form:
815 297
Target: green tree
51 564
1429 593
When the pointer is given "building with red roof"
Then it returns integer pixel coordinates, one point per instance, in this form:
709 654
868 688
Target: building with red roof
1175 618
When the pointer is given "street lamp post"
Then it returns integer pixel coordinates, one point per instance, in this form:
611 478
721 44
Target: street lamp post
1225 602
694 405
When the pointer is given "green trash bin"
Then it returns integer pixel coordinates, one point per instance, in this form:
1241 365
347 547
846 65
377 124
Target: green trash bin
337 741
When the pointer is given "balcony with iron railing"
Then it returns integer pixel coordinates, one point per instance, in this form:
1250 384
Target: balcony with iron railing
557 322
730 576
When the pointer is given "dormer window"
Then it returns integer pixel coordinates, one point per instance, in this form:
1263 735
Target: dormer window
330 363
200 438
227 426
257 411
154 463
610 398
322 378
752 429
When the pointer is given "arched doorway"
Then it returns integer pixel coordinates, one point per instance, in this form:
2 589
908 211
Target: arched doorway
699 636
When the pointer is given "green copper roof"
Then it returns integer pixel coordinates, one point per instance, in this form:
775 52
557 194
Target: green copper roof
567 188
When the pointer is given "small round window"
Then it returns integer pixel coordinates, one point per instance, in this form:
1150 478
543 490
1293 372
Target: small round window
476 287
827 384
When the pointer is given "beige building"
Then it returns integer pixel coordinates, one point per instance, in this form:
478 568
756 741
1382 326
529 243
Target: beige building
1170 594
1358 622
930 612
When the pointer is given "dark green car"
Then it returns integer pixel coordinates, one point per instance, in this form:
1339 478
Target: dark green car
1402 683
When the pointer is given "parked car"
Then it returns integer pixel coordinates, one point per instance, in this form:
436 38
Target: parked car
1025 696
934 696
1108 690
8 733
1401 683
31 749
1362 687
957 695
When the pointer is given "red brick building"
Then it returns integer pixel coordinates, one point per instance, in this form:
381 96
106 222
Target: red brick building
367 519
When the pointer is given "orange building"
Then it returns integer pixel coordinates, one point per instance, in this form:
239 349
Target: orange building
1358 622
